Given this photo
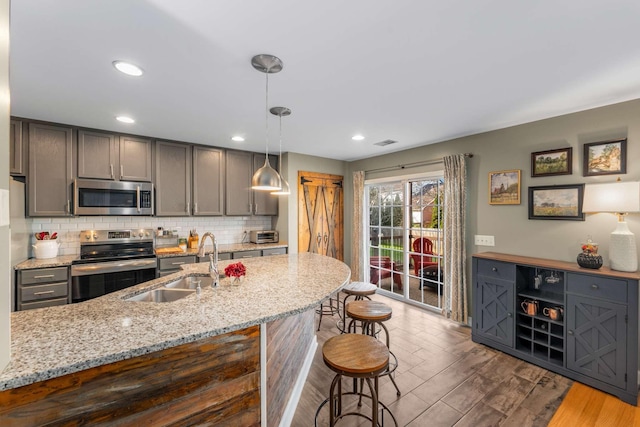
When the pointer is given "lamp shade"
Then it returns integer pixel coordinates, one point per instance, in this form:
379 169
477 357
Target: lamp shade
615 197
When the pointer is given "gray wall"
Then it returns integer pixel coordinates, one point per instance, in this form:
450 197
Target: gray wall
5 241
511 148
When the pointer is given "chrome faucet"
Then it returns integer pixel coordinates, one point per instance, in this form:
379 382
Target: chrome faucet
213 258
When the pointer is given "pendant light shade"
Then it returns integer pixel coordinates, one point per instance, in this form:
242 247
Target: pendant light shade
284 191
266 178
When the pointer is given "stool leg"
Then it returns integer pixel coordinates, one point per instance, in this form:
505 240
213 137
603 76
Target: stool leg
374 400
335 410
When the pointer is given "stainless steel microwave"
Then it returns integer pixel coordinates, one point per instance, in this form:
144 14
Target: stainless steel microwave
98 197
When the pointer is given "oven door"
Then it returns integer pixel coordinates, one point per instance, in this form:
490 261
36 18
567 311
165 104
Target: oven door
100 278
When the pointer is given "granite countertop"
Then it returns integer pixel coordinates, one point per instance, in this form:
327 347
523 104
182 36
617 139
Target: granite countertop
66 260
55 341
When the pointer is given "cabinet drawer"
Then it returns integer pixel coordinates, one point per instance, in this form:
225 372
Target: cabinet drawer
496 269
224 256
38 292
274 251
174 263
44 275
247 254
40 304
597 287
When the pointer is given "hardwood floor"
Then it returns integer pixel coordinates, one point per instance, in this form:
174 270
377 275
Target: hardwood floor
445 379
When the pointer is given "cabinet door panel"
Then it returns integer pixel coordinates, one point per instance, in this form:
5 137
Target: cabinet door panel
173 179
96 155
16 149
135 159
238 172
596 339
208 181
494 309
50 170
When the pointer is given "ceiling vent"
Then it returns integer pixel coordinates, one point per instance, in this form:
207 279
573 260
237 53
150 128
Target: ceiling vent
385 142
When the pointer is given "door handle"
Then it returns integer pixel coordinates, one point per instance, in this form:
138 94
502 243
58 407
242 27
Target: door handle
138 198
319 238
326 238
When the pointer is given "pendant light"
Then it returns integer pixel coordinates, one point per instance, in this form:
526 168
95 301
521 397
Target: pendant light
266 178
281 111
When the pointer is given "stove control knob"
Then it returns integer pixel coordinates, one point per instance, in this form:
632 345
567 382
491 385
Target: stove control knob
95 236
146 234
140 234
87 236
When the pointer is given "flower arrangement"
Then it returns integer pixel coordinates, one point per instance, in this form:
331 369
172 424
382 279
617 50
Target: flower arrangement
236 270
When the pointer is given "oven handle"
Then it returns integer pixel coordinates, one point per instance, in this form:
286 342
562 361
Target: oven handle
112 267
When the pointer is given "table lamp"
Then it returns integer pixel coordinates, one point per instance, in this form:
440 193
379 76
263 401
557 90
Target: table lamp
619 198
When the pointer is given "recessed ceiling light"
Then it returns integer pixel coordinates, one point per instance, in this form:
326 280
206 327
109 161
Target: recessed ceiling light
357 137
237 138
125 119
128 68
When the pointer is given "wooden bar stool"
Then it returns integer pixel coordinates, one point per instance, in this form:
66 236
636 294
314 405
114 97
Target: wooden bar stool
359 357
358 291
328 308
371 314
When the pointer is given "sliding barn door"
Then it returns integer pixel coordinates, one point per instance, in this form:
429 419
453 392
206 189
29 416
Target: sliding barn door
320 201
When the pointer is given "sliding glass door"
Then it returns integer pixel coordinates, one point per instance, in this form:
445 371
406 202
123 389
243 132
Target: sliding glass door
404 226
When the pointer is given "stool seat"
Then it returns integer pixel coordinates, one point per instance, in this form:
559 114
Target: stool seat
373 311
360 288
355 355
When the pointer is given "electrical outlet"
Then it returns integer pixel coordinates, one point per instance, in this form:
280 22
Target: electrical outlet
484 240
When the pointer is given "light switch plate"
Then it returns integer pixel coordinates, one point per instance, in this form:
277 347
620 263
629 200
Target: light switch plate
4 207
481 240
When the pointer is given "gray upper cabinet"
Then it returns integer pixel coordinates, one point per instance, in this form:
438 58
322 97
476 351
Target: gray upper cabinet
208 181
17 149
240 198
104 155
135 159
238 172
173 179
50 170
97 155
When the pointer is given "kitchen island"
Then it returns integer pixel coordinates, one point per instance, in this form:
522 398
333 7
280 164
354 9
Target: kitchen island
212 356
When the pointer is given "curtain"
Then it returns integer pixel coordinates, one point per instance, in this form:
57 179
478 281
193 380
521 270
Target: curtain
455 295
357 259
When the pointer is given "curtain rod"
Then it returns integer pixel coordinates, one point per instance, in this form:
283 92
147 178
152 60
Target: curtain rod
414 164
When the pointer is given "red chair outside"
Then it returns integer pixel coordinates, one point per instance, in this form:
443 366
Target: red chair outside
382 267
422 246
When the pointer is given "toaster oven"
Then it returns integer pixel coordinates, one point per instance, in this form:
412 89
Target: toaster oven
267 236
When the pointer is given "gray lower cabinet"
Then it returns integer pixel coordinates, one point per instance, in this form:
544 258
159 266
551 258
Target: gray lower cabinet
103 155
17 149
50 171
42 287
274 251
173 179
240 198
580 323
246 254
172 264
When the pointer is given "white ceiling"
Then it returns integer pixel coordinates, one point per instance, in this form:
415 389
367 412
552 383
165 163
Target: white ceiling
415 71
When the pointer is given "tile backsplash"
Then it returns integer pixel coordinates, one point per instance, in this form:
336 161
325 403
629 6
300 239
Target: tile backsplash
226 229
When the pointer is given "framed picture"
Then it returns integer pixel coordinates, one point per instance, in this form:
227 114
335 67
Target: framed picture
556 202
551 162
605 158
504 187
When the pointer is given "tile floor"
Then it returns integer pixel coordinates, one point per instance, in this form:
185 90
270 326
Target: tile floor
445 379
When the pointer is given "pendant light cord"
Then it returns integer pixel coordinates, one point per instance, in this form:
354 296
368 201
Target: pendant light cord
266 117
280 157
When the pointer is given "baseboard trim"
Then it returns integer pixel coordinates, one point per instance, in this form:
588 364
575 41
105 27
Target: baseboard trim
290 410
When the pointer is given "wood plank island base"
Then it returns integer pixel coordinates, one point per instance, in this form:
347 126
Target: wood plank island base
234 355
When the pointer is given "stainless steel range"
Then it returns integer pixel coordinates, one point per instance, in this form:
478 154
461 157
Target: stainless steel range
111 260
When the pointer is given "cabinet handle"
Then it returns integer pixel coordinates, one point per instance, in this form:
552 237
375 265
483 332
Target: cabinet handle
111 167
509 314
594 287
255 208
494 269
138 198
68 207
177 263
46 276
121 171
188 207
195 208
42 293
570 332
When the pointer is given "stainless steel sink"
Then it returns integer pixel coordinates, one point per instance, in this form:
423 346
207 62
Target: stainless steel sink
190 282
162 295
